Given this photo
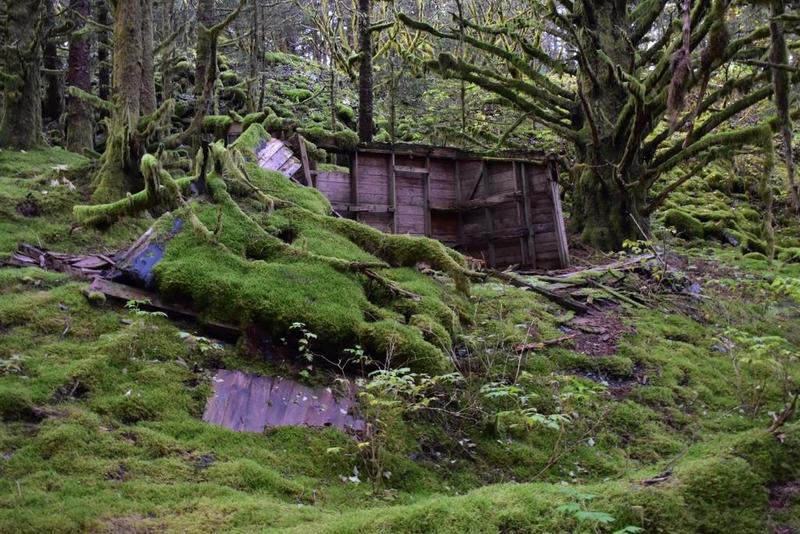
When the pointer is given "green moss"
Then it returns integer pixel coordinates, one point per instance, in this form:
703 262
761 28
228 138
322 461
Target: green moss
790 255
687 226
714 485
38 161
345 113
752 244
229 78
217 125
298 94
329 167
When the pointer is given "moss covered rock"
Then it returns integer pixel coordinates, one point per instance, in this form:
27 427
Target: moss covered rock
686 225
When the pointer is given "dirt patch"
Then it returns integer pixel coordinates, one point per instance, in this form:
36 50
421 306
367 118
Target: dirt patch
119 473
29 207
781 497
132 524
619 388
597 333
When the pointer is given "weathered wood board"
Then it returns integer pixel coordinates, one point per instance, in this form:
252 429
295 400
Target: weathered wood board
504 211
246 402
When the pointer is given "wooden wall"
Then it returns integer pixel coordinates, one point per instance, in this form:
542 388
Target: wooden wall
502 211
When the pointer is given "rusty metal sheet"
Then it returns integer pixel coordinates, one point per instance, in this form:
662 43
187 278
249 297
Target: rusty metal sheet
246 402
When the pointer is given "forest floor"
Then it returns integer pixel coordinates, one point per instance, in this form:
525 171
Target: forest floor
663 402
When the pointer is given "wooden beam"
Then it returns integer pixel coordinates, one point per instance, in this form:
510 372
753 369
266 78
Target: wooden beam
411 170
523 244
426 197
393 192
354 181
362 208
153 300
458 200
310 179
528 217
487 212
478 181
558 215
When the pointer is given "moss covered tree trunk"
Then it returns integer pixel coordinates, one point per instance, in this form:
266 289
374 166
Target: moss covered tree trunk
53 103
365 93
21 126
606 204
103 48
205 19
78 124
133 95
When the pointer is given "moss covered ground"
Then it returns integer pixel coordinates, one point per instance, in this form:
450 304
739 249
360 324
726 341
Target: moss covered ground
101 404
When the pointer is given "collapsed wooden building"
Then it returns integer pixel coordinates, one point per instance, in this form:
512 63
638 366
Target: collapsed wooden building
504 211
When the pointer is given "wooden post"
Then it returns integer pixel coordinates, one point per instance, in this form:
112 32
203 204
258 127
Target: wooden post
426 197
354 185
392 191
487 212
306 165
526 206
558 215
460 212
521 218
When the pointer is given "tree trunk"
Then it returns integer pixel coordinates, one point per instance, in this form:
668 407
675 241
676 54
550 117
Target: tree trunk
607 208
78 124
605 215
132 81
205 18
365 96
21 77
147 92
103 47
53 104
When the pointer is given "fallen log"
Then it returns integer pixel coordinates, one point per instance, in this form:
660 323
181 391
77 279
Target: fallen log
562 300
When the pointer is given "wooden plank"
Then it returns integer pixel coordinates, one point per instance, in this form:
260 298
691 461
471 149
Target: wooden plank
523 243
362 207
489 201
558 215
310 179
153 300
245 402
354 181
528 219
410 170
481 176
458 199
269 150
392 191
290 167
487 212
277 159
426 197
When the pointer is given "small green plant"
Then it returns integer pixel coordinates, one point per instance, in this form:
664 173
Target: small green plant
386 397
304 347
638 246
135 306
759 363
786 286
589 520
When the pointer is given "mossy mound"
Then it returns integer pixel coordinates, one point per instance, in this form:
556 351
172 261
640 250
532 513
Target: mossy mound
686 226
267 251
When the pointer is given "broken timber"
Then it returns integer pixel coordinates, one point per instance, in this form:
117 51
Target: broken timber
245 402
506 211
